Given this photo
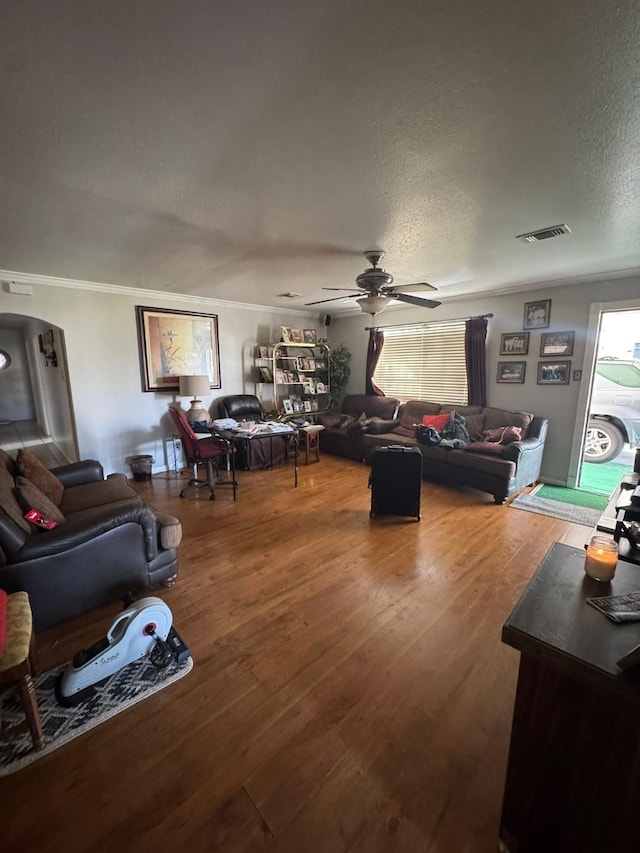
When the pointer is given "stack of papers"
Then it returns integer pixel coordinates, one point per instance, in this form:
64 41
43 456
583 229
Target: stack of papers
225 423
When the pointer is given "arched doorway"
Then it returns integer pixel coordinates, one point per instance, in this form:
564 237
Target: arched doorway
36 409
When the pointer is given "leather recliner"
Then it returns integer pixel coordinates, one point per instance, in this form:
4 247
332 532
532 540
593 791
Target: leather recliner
252 454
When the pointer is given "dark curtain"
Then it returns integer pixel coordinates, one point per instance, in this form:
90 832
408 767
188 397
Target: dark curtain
376 342
475 350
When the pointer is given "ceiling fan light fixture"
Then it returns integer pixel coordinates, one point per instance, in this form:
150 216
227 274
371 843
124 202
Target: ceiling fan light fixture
373 304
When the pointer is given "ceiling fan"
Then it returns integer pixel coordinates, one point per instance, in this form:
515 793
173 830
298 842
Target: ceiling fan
380 290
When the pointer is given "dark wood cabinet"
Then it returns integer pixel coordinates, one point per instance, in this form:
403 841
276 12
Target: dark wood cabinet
573 776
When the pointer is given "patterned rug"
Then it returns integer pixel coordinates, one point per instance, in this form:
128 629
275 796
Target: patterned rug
125 688
556 509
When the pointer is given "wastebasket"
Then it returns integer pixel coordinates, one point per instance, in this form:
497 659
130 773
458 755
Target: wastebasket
141 466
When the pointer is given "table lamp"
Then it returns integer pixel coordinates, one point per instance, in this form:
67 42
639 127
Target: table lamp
196 386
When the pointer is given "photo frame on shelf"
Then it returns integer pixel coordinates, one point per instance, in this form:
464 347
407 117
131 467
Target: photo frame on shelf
174 343
287 405
556 344
537 315
512 372
296 336
554 372
310 336
263 352
285 334
514 343
265 374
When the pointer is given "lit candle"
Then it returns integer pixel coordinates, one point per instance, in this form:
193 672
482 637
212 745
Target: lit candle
602 558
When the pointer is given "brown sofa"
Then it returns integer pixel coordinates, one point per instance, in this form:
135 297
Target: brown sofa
107 543
344 431
501 473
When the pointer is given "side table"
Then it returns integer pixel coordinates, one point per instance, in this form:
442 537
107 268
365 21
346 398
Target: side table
310 442
572 782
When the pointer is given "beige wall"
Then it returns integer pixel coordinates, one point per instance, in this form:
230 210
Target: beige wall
114 418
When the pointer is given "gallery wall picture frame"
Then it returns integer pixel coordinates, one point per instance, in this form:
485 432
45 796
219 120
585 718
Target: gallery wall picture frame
537 315
556 344
514 343
176 343
554 372
512 372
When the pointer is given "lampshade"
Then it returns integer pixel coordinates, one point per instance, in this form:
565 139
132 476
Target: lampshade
373 304
196 386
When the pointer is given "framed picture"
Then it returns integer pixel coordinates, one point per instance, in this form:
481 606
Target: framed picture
309 336
264 352
296 336
557 343
265 374
554 372
285 334
514 343
176 343
537 315
288 407
511 371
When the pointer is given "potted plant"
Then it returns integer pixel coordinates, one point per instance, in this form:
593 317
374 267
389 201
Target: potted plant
340 371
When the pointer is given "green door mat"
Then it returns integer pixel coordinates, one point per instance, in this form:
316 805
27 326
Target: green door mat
575 497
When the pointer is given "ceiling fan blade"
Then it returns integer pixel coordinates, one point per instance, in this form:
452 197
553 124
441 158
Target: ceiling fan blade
409 288
350 289
334 299
416 300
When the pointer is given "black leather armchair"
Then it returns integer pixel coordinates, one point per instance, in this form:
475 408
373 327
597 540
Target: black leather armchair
109 543
251 454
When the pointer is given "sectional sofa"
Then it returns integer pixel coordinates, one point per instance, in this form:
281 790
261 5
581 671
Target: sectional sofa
501 469
368 422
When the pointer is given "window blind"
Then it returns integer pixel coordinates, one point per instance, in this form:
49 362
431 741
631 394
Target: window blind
424 361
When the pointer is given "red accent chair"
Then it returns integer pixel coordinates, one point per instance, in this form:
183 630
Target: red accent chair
204 451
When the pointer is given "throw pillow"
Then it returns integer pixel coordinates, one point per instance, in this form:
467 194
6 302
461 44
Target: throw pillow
407 426
358 426
329 420
503 435
437 421
485 447
33 469
31 497
9 504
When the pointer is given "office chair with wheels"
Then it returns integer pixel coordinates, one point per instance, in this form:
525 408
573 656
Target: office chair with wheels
207 451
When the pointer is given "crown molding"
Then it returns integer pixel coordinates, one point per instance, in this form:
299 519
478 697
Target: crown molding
10 276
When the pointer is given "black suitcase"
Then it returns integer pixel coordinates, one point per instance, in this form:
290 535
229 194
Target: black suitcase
395 481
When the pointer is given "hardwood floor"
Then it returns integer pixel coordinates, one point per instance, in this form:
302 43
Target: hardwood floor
350 691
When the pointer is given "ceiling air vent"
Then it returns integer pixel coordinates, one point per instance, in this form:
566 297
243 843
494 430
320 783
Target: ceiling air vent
544 234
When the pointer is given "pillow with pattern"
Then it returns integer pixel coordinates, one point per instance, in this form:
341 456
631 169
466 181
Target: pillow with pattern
33 469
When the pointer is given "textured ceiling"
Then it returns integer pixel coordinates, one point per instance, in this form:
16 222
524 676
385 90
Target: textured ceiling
242 150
